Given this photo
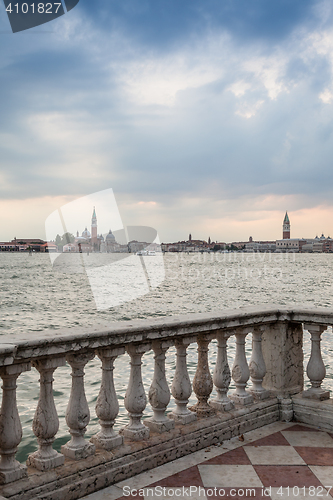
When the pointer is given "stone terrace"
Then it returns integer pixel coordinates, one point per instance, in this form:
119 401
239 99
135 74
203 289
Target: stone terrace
83 467
279 460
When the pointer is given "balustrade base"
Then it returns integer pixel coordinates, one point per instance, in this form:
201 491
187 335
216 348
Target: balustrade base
202 410
14 474
183 418
140 434
38 462
78 453
286 409
162 426
316 393
107 443
242 400
313 412
260 395
221 405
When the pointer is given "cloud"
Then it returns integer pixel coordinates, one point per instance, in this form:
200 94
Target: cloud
200 111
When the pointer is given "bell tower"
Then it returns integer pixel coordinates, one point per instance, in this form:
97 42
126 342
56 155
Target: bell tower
94 227
286 227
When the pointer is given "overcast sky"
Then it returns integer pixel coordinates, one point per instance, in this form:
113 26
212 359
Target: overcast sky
210 117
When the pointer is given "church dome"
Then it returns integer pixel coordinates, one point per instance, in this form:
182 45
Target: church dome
110 237
86 234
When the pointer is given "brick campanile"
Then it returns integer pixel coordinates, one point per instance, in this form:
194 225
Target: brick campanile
94 227
286 227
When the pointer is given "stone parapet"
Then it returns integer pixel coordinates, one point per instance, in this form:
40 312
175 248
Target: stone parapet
268 387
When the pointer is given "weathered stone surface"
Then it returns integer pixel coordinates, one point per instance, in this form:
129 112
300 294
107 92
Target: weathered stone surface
286 409
10 424
283 354
181 387
202 382
222 375
77 413
46 423
257 365
107 406
159 392
135 397
316 370
240 370
33 345
312 412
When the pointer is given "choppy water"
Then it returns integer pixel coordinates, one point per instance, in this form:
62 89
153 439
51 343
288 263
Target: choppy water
35 297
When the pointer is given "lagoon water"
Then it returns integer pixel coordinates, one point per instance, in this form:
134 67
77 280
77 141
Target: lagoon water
36 296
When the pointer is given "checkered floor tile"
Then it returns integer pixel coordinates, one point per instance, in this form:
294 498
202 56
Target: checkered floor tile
277 462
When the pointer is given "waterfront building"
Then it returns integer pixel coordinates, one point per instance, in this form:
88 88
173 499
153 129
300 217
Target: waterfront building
318 245
190 246
241 245
260 246
23 245
69 248
50 246
290 244
135 246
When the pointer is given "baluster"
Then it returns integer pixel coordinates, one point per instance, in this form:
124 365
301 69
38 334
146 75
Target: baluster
107 406
10 425
135 397
221 375
46 422
181 385
257 366
240 371
316 370
202 382
77 413
159 393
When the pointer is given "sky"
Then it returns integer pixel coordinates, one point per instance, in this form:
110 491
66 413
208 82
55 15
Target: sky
209 117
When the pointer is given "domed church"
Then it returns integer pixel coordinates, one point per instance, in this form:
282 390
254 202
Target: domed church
90 241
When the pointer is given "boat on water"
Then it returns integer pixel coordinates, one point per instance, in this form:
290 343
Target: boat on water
146 252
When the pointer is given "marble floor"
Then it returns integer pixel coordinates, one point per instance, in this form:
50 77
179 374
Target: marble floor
278 462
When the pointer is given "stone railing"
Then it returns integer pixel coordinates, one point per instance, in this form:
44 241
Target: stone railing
275 369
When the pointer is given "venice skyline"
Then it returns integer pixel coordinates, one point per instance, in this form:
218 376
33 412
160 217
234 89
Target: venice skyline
208 118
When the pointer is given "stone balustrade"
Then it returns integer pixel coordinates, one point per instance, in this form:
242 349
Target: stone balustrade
268 387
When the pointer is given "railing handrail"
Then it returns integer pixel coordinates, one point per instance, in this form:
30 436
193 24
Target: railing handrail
56 342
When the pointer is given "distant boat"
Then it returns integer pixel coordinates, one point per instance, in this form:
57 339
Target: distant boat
144 253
